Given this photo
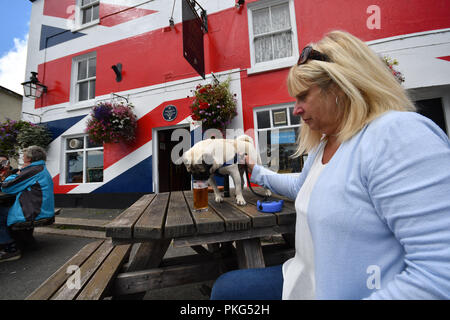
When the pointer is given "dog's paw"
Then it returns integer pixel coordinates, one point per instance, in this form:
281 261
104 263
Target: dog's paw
218 198
240 201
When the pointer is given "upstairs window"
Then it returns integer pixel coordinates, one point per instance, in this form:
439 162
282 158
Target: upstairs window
273 36
89 10
86 14
84 77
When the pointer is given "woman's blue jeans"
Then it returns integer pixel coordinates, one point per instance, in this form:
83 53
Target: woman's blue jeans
4 234
249 284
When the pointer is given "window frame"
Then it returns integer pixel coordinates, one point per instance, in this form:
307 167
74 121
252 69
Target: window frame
271 109
276 63
85 150
74 84
79 25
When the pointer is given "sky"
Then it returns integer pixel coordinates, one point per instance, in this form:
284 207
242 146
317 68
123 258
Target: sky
14 27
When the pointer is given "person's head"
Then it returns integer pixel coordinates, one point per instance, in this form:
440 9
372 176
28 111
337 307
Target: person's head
34 153
341 87
4 162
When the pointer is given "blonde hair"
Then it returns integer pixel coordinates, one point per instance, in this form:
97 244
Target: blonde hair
365 86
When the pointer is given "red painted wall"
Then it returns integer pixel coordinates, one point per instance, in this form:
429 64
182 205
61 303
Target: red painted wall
317 17
156 57
111 15
60 8
152 58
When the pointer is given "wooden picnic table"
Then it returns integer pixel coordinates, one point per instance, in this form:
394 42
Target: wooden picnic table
225 237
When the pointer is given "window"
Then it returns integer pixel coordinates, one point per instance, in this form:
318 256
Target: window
86 14
89 10
83 160
84 75
273 39
277 131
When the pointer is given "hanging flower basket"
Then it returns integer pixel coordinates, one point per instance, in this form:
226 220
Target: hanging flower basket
17 135
112 122
214 105
390 63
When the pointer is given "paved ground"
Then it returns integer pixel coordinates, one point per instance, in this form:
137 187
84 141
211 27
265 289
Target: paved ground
21 277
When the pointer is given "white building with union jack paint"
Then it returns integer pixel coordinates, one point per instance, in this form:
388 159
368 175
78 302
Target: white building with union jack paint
74 43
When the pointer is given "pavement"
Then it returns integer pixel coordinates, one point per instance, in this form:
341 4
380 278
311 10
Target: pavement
56 244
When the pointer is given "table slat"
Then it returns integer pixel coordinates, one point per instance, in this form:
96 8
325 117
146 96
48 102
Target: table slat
179 221
285 216
122 226
259 219
234 219
151 224
207 221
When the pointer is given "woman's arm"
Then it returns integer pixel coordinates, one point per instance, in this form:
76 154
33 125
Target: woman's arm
16 183
409 184
283 184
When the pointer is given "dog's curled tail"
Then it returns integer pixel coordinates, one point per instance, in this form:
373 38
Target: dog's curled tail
247 148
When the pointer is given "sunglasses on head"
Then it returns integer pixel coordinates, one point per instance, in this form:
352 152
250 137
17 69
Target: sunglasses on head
308 53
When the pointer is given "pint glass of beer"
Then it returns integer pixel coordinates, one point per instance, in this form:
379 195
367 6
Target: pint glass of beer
200 195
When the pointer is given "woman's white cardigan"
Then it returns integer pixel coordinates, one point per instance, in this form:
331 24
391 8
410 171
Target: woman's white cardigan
379 213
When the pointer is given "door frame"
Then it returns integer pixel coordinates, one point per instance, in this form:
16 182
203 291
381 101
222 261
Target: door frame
155 153
433 93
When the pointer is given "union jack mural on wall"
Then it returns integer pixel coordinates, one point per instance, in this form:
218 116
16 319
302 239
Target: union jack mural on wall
74 43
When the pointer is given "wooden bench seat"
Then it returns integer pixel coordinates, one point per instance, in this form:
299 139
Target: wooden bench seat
87 275
33 224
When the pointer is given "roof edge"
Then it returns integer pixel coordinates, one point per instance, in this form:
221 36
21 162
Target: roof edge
10 91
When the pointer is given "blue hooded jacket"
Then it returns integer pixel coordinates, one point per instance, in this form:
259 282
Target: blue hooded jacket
33 188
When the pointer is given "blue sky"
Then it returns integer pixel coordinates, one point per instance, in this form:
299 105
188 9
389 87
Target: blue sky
14 26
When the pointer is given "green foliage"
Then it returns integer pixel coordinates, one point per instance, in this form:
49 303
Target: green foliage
34 135
16 135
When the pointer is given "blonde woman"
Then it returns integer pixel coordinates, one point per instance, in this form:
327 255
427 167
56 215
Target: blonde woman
373 199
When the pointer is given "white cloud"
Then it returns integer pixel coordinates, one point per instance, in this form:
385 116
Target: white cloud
12 66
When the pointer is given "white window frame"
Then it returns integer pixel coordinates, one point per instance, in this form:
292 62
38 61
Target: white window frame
277 63
271 108
85 149
79 25
74 88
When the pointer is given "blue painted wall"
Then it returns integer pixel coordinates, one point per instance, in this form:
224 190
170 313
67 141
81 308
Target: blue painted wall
136 179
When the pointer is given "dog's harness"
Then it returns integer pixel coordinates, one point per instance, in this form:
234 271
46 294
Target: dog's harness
264 206
226 164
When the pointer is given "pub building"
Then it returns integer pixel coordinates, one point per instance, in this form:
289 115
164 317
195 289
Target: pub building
153 54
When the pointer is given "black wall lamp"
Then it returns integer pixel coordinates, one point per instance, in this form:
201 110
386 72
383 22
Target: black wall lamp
240 3
33 88
118 71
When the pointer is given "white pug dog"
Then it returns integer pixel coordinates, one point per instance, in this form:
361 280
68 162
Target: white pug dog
223 156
